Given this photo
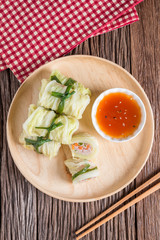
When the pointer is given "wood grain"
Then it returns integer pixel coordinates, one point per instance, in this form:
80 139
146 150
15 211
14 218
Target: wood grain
29 214
145 45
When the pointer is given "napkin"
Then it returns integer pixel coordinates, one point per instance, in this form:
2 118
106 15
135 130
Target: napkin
36 32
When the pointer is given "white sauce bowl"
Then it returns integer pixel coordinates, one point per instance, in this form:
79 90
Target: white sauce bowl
139 102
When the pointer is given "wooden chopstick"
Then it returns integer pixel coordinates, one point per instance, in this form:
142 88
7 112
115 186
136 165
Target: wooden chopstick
137 199
131 203
137 190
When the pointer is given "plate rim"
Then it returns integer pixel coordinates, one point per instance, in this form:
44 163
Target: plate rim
57 196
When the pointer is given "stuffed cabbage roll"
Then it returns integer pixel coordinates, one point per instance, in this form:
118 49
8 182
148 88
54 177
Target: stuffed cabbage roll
84 146
47 147
60 78
63 99
46 123
81 169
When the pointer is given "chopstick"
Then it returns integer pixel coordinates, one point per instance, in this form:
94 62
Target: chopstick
131 203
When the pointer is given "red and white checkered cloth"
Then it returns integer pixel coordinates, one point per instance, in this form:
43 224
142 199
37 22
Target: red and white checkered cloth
36 32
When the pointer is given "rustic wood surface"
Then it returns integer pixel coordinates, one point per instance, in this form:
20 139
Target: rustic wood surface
28 214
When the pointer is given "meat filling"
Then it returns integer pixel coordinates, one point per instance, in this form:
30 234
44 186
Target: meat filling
82 148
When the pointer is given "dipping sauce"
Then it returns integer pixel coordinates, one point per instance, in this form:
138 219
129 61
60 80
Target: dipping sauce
118 115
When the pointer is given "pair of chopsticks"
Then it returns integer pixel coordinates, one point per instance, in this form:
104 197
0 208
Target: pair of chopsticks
123 208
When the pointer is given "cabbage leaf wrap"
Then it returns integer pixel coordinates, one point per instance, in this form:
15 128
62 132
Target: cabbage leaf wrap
60 78
81 169
83 145
46 123
49 149
53 94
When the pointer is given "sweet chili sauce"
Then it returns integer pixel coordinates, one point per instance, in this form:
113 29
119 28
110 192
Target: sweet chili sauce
118 115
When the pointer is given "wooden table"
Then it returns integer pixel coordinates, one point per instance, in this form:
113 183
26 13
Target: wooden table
28 214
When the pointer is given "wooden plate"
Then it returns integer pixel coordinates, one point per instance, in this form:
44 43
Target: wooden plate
119 163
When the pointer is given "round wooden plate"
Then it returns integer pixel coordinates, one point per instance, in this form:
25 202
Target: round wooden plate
119 163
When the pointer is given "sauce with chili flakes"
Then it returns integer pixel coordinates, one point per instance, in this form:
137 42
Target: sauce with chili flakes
118 115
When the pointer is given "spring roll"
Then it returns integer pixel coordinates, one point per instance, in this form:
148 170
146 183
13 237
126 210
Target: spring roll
84 146
81 169
46 123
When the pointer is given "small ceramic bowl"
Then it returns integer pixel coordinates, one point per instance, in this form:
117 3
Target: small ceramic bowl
128 92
